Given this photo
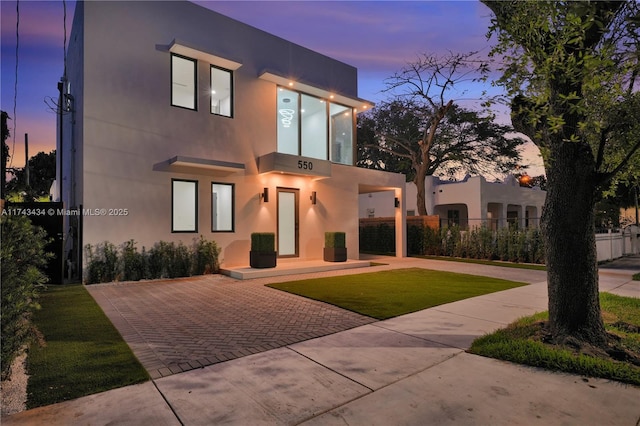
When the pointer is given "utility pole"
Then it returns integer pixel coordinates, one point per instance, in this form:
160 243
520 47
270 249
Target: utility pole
26 159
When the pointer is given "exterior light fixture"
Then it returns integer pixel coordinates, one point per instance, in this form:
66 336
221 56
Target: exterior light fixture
313 197
396 202
264 195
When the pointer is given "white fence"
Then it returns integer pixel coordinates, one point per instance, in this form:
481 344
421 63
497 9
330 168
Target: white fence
613 245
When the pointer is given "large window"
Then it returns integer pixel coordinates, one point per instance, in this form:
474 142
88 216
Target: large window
313 127
341 125
221 92
288 113
183 82
184 205
222 206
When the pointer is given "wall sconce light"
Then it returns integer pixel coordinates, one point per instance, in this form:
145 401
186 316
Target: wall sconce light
313 197
396 202
264 196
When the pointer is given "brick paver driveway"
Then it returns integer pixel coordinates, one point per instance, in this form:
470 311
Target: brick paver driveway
178 325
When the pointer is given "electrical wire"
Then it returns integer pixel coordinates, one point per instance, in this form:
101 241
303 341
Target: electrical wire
64 44
15 85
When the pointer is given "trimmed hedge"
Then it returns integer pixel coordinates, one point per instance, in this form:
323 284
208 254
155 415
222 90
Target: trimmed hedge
106 262
508 244
335 240
263 242
22 258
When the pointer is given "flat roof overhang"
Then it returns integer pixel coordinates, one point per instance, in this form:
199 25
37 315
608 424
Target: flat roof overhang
277 162
360 105
189 165
185 49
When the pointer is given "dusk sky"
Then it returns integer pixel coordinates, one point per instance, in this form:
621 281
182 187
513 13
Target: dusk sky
377 37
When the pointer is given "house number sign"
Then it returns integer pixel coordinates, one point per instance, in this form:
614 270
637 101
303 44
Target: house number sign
305 165
294 164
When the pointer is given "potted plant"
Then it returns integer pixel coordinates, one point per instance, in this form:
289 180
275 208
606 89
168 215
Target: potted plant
335 249
263 252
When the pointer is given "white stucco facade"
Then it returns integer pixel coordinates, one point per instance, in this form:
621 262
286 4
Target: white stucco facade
469 203
161 171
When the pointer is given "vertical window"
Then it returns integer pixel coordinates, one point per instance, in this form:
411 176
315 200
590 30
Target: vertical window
184 205
314 127
221 92
341 125
222 207
183 82
453 217
287 116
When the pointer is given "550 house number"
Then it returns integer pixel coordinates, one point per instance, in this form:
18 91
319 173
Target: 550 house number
305 165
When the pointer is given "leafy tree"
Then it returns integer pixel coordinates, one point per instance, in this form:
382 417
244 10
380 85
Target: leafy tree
42 173
421 131
5 152
22 257
570 70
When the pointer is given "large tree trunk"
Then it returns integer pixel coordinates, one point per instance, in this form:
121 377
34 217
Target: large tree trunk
421 201
569 232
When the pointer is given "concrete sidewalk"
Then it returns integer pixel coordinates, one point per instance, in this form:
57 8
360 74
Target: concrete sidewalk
409 370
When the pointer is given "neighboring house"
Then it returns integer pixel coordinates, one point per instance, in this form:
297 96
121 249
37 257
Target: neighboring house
469 203
183 122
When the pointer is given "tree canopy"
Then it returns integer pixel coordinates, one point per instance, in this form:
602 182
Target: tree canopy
390 138
570 70
424 129
42 173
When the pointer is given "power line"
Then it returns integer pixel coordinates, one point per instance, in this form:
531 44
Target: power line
64 44
15 86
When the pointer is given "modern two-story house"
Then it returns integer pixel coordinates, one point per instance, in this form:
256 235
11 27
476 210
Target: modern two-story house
181 122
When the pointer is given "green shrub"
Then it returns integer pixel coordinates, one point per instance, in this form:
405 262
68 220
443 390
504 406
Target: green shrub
105 263
264 242
508 244
102 263
335 239
22 257
180 261
133 265
378 239
415 239
432 242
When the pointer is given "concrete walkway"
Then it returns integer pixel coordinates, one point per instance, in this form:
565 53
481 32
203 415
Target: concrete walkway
409 370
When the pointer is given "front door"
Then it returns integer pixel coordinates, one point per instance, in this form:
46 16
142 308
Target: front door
288 230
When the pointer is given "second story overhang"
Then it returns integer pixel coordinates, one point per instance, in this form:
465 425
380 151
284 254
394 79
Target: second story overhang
277 162
359 105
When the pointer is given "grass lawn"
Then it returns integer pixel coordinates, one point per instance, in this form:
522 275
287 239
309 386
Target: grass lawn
84 353
524 342
388 294
487 262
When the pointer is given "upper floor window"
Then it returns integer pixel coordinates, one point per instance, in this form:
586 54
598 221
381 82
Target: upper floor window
341 128
313 127
183 82
221 92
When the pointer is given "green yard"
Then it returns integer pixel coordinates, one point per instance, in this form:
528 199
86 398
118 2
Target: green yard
388 294
83 352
